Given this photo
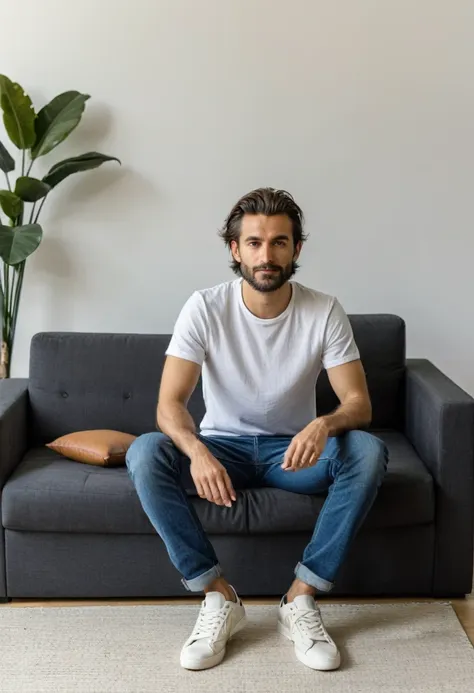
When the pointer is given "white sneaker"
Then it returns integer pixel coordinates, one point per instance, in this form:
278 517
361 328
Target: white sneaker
301 622
217 622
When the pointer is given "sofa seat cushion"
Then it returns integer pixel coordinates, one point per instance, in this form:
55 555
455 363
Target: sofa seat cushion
47 493
405 498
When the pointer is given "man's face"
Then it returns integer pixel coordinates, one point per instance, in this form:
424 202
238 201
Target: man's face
265 251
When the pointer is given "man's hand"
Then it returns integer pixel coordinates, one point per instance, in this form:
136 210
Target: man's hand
306 447
211 479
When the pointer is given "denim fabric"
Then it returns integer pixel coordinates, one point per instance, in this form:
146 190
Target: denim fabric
351 467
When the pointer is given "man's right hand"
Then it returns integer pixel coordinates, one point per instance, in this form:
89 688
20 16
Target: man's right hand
211 479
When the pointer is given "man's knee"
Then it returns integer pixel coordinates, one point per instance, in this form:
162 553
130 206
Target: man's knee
148 450
368 451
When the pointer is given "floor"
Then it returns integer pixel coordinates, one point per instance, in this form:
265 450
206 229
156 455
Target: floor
464 608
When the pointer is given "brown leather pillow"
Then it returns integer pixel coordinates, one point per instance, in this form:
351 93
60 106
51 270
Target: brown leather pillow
102 447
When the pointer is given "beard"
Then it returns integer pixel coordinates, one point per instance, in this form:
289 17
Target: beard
267 282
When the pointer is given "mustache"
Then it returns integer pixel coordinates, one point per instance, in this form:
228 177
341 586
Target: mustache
267 267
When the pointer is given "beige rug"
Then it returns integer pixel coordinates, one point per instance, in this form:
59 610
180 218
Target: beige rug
412 648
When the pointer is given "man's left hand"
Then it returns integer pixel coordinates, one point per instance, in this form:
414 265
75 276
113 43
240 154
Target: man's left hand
306 447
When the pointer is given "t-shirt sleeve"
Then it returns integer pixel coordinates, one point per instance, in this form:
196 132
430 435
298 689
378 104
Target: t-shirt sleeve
339 344
189 334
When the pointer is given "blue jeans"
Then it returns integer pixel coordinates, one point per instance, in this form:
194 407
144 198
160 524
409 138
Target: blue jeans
352 467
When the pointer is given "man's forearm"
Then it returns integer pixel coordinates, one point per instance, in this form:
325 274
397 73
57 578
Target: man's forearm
347 417
176 422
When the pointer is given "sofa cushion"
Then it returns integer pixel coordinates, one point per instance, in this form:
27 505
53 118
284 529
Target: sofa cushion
405 498
103 447
47 493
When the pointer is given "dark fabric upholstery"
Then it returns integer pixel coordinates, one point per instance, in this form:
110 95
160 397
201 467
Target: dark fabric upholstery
48 493
83 381
13 443
439 421
385 562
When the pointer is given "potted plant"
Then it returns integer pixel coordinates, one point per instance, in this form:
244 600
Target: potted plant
34 135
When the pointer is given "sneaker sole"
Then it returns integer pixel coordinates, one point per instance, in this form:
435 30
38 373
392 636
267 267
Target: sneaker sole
329 665
199 665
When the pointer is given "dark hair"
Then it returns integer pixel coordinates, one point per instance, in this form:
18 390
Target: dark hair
267 201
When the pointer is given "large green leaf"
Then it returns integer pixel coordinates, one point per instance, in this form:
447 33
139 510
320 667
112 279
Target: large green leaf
16 244
57 120
11 204
18 113
31 189
7 163
75 164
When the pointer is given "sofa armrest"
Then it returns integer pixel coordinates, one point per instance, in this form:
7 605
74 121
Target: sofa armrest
439 423
13 424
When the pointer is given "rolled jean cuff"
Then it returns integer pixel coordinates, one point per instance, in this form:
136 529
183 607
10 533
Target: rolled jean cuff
306 575
198 583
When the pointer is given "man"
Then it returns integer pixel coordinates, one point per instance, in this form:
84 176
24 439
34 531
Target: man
261 342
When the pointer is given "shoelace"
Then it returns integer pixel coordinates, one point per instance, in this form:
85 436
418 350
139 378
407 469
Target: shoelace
208 624
310 624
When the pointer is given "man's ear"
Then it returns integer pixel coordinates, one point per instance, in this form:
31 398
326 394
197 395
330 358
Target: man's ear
234 248
296 255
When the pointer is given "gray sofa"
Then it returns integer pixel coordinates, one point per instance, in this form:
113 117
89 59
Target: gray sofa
71 530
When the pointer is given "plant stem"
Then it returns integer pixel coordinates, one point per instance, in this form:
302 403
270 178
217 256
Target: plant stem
8 181
16 302
4 303
32 212
30 167
13 276
6 317
23 162
11 283
11 301
41 207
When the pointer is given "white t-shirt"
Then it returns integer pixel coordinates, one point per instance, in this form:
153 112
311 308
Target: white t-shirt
259 375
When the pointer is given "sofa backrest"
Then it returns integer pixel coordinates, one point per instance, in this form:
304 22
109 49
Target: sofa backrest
80 381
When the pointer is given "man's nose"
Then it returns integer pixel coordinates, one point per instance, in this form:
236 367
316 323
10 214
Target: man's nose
267 254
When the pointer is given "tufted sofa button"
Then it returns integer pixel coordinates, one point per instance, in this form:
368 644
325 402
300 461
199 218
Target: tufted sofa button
64 394
127 395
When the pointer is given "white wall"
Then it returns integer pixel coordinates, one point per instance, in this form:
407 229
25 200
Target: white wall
363 110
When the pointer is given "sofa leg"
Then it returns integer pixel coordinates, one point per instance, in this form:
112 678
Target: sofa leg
4 600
